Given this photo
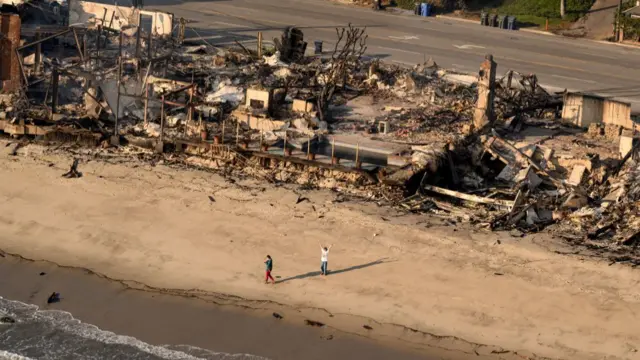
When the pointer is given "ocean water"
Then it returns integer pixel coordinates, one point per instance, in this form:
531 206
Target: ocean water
57 335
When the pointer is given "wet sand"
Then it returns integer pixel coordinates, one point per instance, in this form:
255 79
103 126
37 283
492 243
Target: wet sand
410 278
161 319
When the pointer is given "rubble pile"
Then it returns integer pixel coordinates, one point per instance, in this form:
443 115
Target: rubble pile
502 154
522 97
546 175
609 218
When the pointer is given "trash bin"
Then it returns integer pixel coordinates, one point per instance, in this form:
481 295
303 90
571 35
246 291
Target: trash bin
493 20
483 19
318 47
511 23
425 9
502 21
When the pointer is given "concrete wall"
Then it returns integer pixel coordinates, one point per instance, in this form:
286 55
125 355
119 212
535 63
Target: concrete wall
627 141
617 113
264 96
591 111
572 109
86 12
584 110
162 22
258 123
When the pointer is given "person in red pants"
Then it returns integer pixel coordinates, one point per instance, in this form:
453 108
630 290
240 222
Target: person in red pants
268 262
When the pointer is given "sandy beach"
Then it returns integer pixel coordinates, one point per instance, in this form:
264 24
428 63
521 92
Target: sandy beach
163 319
410 279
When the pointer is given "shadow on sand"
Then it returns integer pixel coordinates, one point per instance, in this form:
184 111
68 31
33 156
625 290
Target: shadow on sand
335 272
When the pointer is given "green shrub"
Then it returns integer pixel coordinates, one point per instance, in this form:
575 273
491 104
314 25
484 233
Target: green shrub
530 8
548 8
406 4
631 27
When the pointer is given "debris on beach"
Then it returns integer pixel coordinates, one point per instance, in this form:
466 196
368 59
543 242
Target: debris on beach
12 148
53 298
277 316
500 153
314 323
7 320
73 171
301 199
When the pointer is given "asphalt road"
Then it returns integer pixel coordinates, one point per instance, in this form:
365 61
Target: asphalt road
559 62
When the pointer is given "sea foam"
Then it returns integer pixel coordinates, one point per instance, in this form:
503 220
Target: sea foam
41 331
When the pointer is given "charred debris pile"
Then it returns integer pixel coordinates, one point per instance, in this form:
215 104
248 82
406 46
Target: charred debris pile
500 153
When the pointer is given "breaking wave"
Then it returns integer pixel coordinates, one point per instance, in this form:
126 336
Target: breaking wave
5 355
56 334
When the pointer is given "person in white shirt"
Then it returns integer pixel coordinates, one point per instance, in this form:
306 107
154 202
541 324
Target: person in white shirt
324 258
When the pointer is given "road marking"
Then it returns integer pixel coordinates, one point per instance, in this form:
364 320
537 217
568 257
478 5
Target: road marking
403 37
575 79
469 47
212 37
400 50
457 65
230 24
402 62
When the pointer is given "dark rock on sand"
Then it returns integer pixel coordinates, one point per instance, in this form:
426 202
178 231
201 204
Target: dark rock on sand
7 320
53 298
313 323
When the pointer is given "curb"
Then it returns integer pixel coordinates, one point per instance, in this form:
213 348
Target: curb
456 19
540 32
477 22
547 33
631 46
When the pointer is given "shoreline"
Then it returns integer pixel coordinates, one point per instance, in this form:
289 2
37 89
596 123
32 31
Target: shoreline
383 345
155 225
164 319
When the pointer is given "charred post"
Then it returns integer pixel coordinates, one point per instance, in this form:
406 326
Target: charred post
484 113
